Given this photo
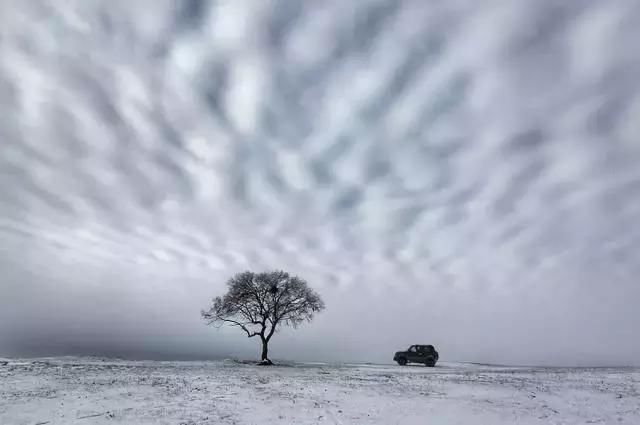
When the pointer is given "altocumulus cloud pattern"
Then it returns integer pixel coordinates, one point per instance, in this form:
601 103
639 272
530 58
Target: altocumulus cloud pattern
461 172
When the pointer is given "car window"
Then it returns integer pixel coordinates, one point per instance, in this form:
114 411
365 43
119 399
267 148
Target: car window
412 349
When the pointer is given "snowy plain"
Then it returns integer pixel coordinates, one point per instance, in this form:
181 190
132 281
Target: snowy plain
100 391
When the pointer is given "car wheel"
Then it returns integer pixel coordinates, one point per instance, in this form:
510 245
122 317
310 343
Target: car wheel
402 361
430 363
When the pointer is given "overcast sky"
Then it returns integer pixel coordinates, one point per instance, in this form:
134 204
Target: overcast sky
459 173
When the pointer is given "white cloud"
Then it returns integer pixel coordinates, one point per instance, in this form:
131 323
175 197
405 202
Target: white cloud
436 171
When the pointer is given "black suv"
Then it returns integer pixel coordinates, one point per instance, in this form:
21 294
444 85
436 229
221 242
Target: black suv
424 354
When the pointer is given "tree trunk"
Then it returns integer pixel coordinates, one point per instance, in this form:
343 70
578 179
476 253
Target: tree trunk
265 353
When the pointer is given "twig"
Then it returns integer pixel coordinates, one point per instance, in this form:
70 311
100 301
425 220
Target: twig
92 416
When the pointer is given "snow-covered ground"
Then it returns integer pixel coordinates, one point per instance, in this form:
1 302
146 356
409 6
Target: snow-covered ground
96 391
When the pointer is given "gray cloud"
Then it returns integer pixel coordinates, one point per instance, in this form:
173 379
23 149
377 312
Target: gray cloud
459 173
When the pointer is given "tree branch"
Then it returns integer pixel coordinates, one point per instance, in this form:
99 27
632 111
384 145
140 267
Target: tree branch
241 325
271 332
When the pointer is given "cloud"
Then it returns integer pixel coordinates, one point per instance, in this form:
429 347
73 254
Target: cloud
463 174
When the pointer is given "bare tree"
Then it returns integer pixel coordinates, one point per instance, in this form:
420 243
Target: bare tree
259 303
